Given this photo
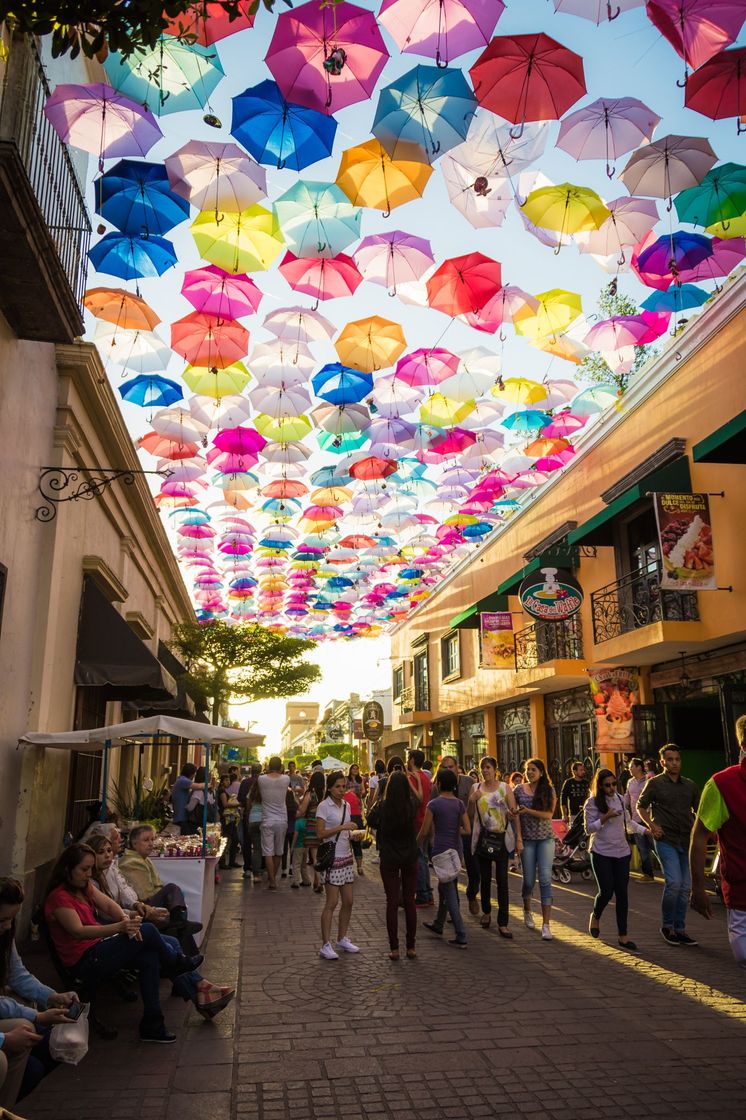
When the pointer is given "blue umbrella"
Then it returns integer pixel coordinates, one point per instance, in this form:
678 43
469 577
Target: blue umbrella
527 421
276 131
136 198
340 385
131 258
429 106
329 476
479 529
151 391
680 297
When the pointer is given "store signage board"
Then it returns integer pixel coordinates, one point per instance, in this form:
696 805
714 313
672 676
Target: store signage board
550 594
372 720
685 542
497 640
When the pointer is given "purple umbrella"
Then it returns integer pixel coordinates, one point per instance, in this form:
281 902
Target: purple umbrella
725 256
393 258
441 29
607 128
101 121
674 253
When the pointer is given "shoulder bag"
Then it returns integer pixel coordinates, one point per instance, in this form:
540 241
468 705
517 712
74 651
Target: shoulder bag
326 849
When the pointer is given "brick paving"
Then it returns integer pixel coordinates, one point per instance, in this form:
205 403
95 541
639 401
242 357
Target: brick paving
564 1030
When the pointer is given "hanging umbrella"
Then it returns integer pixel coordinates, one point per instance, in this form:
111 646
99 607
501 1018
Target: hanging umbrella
429 107
464 284
282 429
230 411
668 165
718 89
165 448
217 383
136 198
629 220
132 258
370 177
214 292
393 258
597 11
278 132
440 29
619 331
317 219
320 277
101 121
697 29
150 391
443 412
607 128
427 366
206 340
372 467
483 201
341 419
247 241
681 297
169 78
123 308
555 311
294 362
340 384
491 151
565 208
393 397
529 420
720 197
217 177
370 344
299 325
240 441
672 254
326 56
528 78
589 402
178 424
725 256
140 351
520 390
207 23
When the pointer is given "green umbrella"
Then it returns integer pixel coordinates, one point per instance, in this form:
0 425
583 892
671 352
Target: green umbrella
719 197
170 78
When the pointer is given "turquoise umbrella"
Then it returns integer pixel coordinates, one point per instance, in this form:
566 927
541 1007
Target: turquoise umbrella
430 107
170 78
317 219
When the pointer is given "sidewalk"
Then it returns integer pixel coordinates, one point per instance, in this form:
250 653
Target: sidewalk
566 1030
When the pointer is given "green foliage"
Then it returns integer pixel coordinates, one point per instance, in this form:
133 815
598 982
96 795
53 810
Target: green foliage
139 803
246 661
94 26
594 368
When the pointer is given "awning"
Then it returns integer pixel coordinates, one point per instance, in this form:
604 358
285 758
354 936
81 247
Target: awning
110 656
469 618
727 444
673 478
180 705
136 729
558 558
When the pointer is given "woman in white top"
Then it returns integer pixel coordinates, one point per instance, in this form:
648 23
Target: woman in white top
333 822
273 787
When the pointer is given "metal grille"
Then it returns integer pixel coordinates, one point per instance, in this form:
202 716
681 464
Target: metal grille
549 641
636 600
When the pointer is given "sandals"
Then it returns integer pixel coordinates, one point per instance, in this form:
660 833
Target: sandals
212 1006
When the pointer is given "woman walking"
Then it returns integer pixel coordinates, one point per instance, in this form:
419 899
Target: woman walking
253 833
354 794
394 819
333 823
446 816
493 803
304 855
607 822
536 801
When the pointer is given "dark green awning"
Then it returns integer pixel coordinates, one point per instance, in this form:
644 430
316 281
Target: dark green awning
726 445
469 618
559 558
674 478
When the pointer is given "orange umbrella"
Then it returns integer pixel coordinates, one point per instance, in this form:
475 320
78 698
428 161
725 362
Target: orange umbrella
370 177
540 448
123 308
370 344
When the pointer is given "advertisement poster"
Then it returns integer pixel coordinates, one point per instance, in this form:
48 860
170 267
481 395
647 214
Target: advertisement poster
498 640
685 539
614 692
551 594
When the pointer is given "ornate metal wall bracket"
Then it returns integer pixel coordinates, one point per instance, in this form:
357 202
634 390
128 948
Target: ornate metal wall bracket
60 484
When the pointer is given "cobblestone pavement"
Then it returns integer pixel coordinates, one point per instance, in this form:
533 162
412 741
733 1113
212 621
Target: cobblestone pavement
566 1029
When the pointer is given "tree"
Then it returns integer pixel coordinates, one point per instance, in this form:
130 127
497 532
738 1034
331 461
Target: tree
594 368
249 661
97 26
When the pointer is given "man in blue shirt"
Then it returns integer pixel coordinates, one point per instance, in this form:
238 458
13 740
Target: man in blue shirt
180 794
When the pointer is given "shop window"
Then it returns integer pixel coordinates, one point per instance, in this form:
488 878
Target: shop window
571 732
513 737
398 681
450 656
421 682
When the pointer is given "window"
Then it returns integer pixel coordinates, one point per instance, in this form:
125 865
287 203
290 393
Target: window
421 683
398 682
450 656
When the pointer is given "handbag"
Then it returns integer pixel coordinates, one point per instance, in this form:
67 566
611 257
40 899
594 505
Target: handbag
68 1042
489 844
327 848
447 865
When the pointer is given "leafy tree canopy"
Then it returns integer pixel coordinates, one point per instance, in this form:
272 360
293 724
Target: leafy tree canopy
594 368
246 661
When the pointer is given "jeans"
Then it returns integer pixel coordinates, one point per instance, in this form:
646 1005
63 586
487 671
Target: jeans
676 885
112 954
424 890
399 882
40 1062
252 851
612 878
448 904
538 854
645 847
737 935
501 878
229 830
471 863
186 984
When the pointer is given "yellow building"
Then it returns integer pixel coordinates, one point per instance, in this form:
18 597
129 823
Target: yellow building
681 427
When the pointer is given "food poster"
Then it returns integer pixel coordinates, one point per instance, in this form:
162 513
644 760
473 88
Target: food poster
685 538
614 692
498 640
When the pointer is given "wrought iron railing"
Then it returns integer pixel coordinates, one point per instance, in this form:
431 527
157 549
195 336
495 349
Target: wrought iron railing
635 601
46 159
548 641
406 699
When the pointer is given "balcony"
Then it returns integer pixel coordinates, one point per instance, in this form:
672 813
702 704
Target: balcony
44 224
634 616
409 703
549 655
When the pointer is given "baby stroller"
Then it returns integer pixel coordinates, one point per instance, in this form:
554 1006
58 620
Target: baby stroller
571 853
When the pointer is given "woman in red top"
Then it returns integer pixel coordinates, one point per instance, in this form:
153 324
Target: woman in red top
94 951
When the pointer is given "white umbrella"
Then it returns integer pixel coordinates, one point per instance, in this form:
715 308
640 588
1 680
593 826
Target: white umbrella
299 325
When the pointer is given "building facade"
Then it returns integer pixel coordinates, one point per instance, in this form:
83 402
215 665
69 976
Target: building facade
300 721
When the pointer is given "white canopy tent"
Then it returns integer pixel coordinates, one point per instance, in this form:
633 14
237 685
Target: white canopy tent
332 763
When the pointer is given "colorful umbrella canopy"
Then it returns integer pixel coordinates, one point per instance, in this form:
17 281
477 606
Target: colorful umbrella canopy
528 78
132 258
667 166
607 128
278 132
299 325
565 208
326 56
216 177
320 277
369 177
427 366
393 258
718 89
170 78
680 297
101 121
207 340
629 220
150 391
440 29
247 241
217 383
697 29
207 23
340 384
719 197
370 344
555 311
215 292
596 10
464 284
674 253
429 106
136 198
123 308
317 219
140 351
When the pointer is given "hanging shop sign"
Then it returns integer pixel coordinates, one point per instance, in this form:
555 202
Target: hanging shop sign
372 720
685 542
498 640
357 729
615 693
550 594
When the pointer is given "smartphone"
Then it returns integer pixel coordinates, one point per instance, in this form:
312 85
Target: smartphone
74 1011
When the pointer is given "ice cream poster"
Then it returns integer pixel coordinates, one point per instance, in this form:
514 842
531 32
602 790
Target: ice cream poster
614 693
498 640
685 539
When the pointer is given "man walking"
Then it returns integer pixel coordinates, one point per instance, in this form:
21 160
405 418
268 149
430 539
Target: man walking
667 806
635 786
722 809
421 784
574 792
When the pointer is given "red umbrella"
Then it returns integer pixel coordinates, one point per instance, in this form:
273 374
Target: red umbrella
697 29
166 448
528 78
718 89
321 278
463 285
373 467
207 23
207 340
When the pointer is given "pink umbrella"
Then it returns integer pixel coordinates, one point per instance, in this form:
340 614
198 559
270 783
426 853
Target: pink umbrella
453 442
651 279
393 258
214 292
564 424
440 29
229 463
239 441
726 255
427 367
101 121
326 56
321 278
626 330
697 29
630 220
607 128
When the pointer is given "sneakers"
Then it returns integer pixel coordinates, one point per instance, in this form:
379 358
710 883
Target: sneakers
456 943
347 945
425 905
669 936
156 1034
328 953
474 906
684 939
546 933
528 920
433 928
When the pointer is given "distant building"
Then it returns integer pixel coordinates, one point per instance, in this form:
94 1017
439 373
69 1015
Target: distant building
300 718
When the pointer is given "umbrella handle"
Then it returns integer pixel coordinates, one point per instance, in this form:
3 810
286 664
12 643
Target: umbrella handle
609 16
610 170
439 61
517 132
739 127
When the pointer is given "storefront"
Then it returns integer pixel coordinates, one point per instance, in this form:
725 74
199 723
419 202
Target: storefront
571 731
514 745
440 734
473 739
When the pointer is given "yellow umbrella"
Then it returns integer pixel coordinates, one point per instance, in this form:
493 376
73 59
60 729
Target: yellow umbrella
565 208
442 412
563 347
556 310
331 496
217 383
247 241
734 227
520 390
461 519
370 177
370 344
282 429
